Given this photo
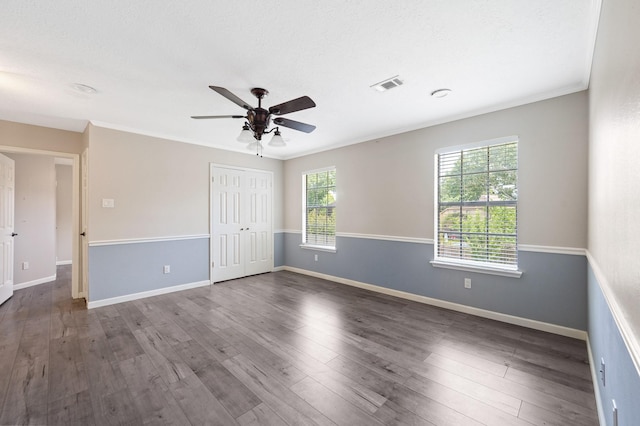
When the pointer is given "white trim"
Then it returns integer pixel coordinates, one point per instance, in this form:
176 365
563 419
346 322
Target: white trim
626 331
596 388
63 262
143 294
440 263
510 319
478 144
278 269
328 249
574 251
292 231
146 240
34 282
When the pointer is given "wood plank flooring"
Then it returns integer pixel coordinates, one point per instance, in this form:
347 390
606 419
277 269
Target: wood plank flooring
279 349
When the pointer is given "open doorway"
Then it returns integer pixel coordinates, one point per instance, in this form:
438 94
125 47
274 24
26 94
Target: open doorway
47 241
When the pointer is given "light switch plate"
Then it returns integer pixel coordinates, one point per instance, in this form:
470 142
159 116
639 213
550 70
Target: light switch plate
108 203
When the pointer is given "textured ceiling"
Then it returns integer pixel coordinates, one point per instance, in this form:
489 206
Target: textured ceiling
152 61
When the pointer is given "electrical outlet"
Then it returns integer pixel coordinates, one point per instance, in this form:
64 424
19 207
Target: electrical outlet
315 257
166 269
467 283
602 372
25 266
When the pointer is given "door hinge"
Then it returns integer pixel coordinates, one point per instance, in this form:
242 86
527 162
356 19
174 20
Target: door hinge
213 264
212 179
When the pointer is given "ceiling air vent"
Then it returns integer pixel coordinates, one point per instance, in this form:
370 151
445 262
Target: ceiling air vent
387 84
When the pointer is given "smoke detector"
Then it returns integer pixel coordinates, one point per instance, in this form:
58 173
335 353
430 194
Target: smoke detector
387 84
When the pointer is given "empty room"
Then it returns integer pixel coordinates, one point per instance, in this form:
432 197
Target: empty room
331 213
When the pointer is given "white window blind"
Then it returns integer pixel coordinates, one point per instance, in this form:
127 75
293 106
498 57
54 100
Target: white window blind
319 208
477 193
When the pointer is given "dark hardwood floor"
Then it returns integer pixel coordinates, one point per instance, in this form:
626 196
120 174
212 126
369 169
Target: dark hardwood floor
279 349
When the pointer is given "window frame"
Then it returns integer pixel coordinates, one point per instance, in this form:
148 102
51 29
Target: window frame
305 244
471 265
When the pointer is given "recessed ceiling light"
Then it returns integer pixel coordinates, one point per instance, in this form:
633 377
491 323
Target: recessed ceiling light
83 88
440 93
387 84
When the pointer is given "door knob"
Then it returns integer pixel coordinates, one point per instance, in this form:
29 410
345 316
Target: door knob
13 234
83 234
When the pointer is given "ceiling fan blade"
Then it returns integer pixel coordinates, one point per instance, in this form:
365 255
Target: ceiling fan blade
199 117
294 105
295 125
233 98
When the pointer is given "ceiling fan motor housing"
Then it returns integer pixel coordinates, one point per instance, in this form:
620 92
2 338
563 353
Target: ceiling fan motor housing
259 120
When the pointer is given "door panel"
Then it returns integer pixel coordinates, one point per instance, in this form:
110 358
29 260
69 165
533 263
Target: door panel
7 188
226 239
259 222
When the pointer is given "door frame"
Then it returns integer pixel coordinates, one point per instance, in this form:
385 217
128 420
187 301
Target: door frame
76 286
244 169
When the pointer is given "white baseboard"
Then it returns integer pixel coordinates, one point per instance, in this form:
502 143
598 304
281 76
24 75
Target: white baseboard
63 262
34 282
510 319
596 388
278 268
142 295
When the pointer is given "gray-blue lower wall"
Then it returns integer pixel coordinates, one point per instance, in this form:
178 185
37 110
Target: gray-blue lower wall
552 288
123 269
622 380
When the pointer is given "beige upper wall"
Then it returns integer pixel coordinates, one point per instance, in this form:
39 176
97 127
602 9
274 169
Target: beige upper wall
40 138
160 187
385 187
614 174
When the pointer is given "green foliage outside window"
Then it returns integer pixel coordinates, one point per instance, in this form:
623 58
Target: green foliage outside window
477 201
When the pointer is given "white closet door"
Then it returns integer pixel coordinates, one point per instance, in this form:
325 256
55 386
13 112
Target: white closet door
241 223
227 251
258 223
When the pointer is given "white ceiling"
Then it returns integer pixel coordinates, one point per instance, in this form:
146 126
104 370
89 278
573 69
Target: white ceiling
152 61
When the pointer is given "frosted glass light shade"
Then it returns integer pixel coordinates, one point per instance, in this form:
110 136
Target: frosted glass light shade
246 135
277 140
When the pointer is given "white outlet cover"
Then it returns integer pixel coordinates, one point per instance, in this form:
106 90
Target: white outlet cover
108 203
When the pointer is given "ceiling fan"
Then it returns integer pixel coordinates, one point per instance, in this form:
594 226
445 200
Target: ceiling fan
258 119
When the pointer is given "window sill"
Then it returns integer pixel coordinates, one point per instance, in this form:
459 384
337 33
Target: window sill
318 248
513 273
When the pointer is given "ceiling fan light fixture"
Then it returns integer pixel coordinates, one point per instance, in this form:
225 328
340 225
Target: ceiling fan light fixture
246 135
440 93
277 140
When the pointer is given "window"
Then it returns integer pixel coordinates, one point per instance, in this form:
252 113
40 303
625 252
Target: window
319 217
477 197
